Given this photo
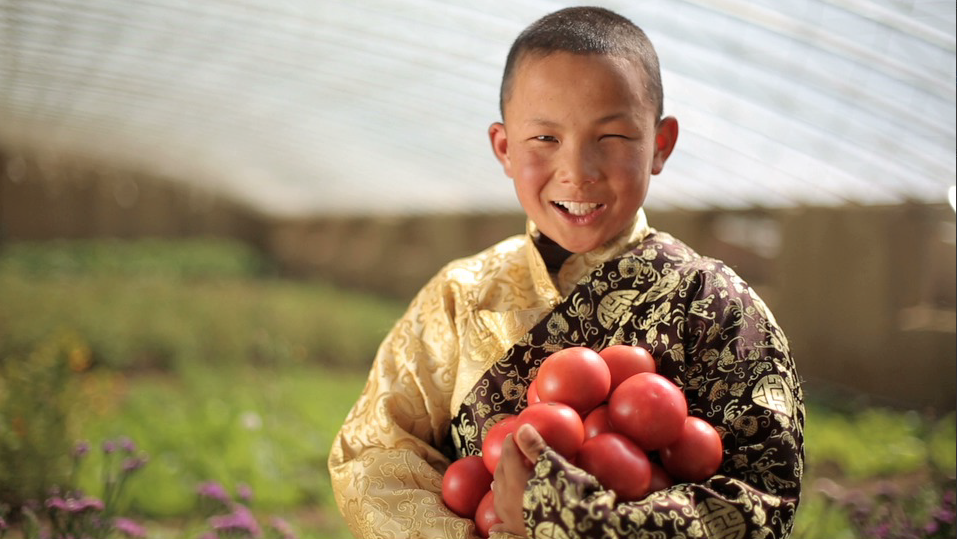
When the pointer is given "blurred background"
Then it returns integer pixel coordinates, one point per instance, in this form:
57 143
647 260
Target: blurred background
211 213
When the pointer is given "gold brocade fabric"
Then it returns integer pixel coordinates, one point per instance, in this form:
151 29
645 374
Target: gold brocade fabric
385 464
463 355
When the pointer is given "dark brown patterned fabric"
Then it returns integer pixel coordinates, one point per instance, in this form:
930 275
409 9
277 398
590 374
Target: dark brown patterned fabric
714 338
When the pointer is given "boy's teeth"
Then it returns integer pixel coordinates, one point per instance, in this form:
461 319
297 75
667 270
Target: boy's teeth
578 208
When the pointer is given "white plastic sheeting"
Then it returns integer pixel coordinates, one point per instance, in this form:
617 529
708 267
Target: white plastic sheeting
382 106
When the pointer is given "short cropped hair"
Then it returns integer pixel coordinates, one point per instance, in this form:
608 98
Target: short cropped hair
585 30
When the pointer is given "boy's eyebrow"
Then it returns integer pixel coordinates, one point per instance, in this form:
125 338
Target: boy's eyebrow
542 122
613 117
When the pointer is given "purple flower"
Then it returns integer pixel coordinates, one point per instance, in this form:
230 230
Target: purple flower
241 519
213 490
56 502
134 463
881 530
80 449
283 528
126 444
3 524
946 516
244 492
109 446
89 503
129 528
74 505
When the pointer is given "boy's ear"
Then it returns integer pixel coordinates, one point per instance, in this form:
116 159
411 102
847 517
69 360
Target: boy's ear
499 140
666 135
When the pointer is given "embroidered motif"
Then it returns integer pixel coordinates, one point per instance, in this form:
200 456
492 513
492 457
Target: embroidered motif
773 393
615 305
722 520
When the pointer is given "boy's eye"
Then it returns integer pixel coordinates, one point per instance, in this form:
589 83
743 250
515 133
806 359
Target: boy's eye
545 138
616 135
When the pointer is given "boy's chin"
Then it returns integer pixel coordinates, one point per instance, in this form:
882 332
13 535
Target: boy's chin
578 240
578 246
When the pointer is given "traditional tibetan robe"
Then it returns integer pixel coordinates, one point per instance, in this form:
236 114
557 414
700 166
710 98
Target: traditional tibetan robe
462 356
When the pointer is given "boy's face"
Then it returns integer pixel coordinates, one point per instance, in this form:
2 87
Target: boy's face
581 141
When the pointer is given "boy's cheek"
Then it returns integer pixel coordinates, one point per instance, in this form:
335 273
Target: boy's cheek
531 168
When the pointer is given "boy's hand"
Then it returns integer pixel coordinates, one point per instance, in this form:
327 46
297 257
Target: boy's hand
519 453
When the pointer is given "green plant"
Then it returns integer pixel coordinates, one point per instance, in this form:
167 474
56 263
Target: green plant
70 513
231 517
885 510
877 472
268 428
37 397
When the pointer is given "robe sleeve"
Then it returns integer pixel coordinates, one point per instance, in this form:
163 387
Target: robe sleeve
385 468
732 361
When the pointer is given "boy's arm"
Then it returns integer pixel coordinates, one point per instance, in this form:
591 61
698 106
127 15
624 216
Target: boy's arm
385 469
734 365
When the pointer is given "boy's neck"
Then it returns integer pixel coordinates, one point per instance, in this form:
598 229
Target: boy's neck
553 254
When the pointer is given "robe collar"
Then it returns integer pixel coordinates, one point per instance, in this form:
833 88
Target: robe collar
554 287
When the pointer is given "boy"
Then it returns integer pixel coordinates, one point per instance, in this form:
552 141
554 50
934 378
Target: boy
582 133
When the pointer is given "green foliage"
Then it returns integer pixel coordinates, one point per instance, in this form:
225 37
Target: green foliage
819 518
940 443
36 398
204 308
877 442
176 259
877 473
269 429
198 353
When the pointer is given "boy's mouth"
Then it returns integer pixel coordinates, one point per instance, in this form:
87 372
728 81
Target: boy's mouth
577 209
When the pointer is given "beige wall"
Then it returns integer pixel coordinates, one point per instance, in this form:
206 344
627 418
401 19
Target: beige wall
865 294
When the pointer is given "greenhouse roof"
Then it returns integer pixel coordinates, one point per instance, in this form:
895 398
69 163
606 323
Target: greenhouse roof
302 106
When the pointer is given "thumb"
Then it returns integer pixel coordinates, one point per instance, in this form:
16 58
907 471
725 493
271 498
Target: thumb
529 442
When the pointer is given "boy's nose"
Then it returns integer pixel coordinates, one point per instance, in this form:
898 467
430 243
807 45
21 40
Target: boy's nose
579 166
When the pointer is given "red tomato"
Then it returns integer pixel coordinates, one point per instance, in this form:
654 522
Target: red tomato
575 376
697 454
625 361
649 409
618 463
660 479
533 393
492 446
485 516
559 425
463 485
596 422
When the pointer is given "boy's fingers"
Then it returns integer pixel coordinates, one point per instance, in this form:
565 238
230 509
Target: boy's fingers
529 442
507 447
510 453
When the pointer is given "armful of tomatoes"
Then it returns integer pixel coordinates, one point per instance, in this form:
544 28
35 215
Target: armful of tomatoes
607 412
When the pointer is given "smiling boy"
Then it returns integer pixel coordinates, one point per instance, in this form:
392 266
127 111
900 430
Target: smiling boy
582 133
581 144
